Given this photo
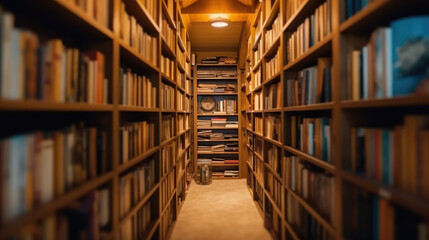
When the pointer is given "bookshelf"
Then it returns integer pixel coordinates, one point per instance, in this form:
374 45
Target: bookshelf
217 118
283 168
113 122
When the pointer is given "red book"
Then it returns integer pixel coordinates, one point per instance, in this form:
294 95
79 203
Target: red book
231 161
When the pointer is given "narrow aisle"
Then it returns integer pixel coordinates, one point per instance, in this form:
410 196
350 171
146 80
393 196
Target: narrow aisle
222 210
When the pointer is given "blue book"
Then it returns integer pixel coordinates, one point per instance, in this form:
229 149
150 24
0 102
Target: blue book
410 64
364 3
311 138
349 8
385 139
357 6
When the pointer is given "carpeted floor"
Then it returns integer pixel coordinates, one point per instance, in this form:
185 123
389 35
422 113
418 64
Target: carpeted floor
222 210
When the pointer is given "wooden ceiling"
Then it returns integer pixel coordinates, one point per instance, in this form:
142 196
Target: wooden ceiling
206 38
216 6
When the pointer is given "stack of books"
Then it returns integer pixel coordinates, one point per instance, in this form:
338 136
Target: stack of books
230 161
227 60
217 148
217 174
218 160
231 136
204 148
231 147
218 122
203 123
231 124
231 173
215 88
209 60
217 136
204 134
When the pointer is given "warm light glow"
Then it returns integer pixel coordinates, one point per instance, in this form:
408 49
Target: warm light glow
219 24
219 21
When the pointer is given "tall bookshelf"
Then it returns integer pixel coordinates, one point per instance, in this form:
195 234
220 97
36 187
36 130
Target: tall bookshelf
348 192
219 112
136 206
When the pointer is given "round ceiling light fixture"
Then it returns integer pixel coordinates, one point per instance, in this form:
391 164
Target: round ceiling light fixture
219 22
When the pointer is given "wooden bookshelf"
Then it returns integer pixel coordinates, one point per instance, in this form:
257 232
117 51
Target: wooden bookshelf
66 21
345 35
216 113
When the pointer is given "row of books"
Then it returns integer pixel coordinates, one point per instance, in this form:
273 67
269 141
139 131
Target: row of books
183 122
303 222
257 79
273 34
211 73
228 147
228 106
273 128
34 68
258 101
314 185
183 141
135 139
216 122
133 34
312 85
367 216
258 52
137 225
168 33
218 60
393 156
88 216
313 30
259 126
224 161
136 90
259 193
312 136
183 102
167 219
259 24
167 67
216 88
226 173
378 69
273 221
135 185
273 99
292 6
95 9
274 188
167 126
210 135
168 157
167 96
273 158
272 66
181 58
151 7
170 7
44 165
167 188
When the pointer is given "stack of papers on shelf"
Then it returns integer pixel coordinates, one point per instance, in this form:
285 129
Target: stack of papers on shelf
203 123
219 122
231 173
216 88
209 60
217 136
218 148
231 124
231 136
227 60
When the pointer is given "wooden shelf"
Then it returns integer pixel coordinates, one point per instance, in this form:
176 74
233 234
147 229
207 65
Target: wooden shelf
226 140
215 114
217 78
217 128
405 101
12 227
320 163
137 109
217 153
217 94
216 65
134 161
133 55
275 142
167 51
272 15
225 165
302 12
310 56
272 50
140 204
405 200
167 15
311 107
272 79
40 105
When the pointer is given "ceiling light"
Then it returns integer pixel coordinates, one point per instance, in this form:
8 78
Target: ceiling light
219 22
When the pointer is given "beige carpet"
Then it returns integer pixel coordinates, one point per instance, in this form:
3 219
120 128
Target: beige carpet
222 210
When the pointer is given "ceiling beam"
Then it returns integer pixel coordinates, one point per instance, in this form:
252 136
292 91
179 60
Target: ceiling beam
216 6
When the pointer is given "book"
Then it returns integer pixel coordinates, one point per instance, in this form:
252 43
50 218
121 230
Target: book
135 139
272 66
273 98
43 166
272 127
136 90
